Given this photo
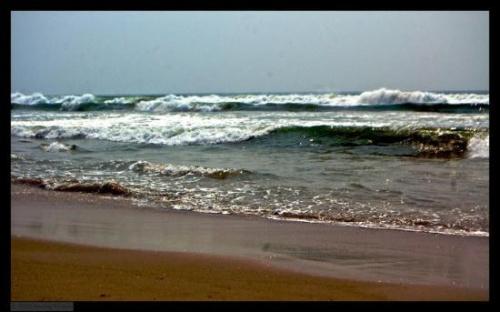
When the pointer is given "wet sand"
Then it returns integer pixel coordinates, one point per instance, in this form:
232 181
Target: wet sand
320 258
51 271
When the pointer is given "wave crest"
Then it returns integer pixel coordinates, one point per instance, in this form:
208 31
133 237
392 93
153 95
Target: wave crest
386 96
208 103
479 147
186 129
33 99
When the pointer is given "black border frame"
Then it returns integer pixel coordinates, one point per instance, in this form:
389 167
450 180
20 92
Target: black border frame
7 6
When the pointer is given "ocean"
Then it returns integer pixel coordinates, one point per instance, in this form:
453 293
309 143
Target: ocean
416 161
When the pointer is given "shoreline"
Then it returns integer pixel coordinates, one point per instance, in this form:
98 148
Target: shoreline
318 250
120 192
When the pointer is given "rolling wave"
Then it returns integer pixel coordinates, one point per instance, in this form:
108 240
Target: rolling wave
381 99
426 142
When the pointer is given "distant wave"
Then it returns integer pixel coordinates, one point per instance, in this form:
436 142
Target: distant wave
387 96
369 100
33 99
66 101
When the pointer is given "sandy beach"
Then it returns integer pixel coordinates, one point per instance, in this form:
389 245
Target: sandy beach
249 155
51 271
72 246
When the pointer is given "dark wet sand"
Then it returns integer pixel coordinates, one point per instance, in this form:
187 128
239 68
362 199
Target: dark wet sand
379 264
51 271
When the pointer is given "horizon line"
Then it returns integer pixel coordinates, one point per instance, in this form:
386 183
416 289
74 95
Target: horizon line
256 92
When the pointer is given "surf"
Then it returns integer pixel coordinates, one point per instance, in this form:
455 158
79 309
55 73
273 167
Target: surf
380 99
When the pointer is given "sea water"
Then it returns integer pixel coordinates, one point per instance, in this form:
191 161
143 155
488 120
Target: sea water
384 158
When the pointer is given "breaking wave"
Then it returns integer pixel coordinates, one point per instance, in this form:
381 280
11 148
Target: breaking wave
479 147
387 96
425 142
58 147
33 99
368 100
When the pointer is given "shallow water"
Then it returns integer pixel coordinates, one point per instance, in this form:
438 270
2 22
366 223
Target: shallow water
319 249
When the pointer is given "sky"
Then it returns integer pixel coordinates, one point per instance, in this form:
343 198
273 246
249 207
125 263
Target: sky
231 51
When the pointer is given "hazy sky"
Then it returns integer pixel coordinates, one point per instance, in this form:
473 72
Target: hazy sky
197 52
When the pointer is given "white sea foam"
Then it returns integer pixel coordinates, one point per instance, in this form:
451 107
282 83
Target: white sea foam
16 157
182 103
464 98
57 147
186 128
67 102
73 102
172 102
214 102
33 99
386 96
479 147
377 97
119 100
